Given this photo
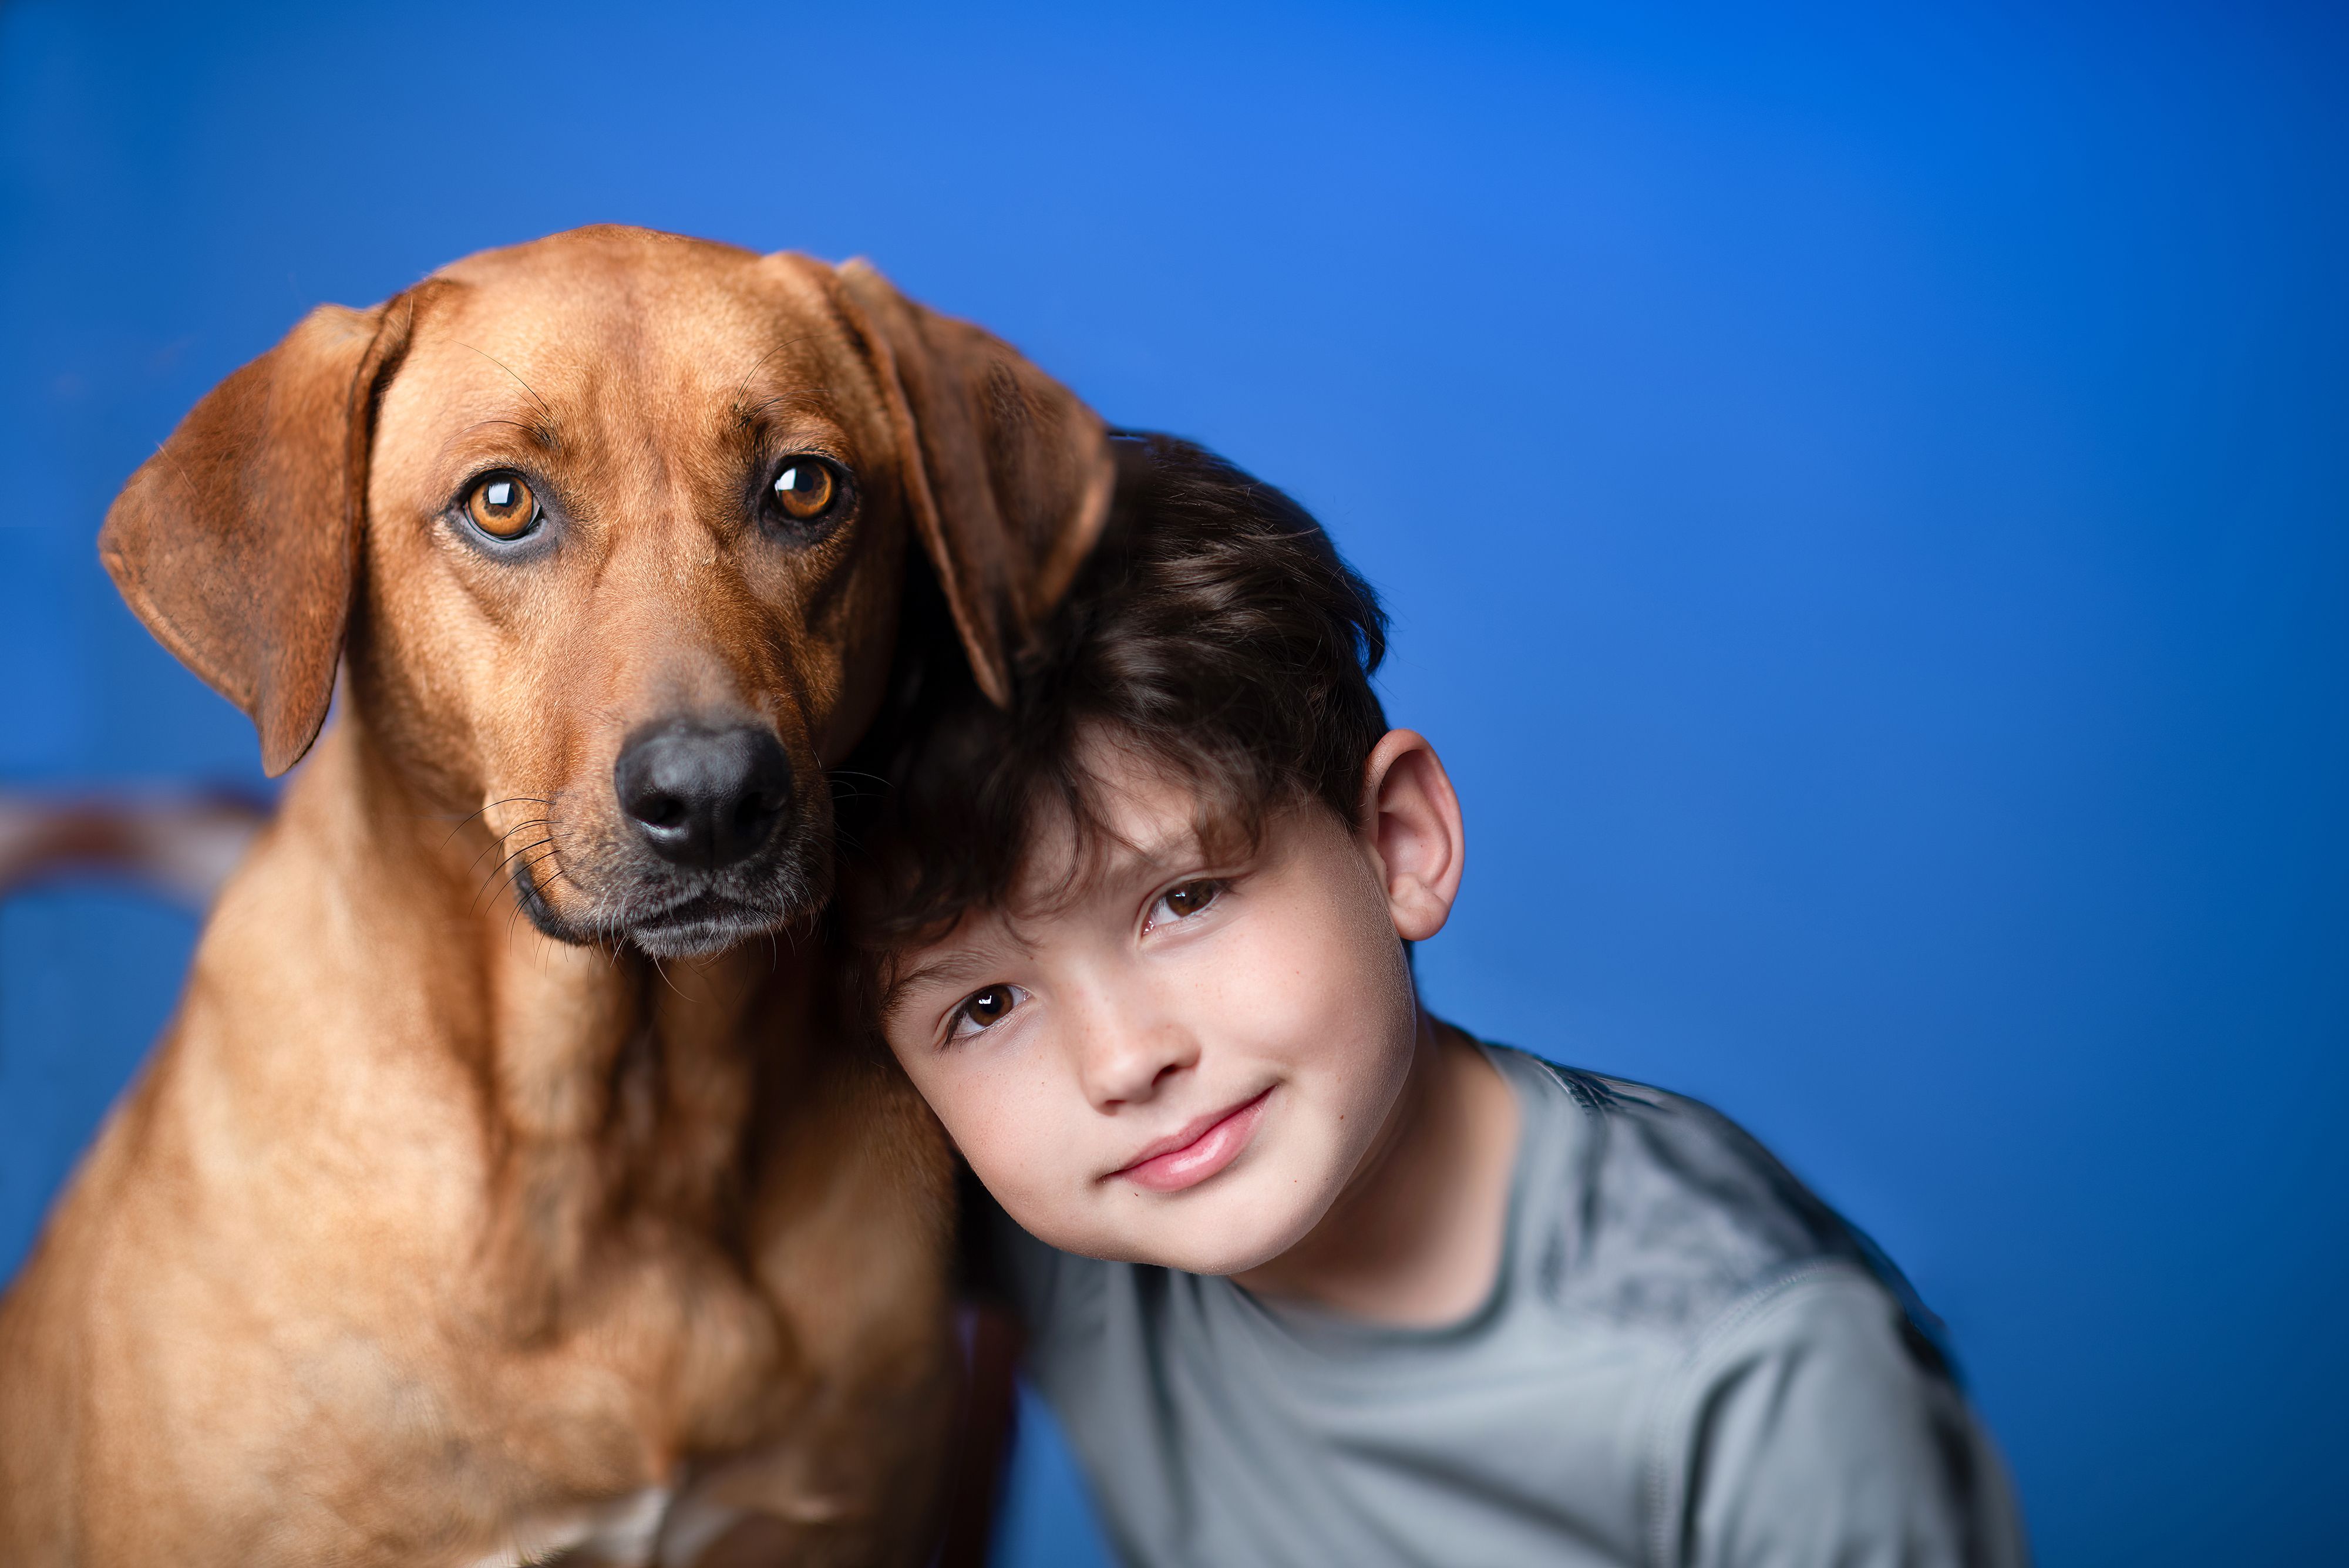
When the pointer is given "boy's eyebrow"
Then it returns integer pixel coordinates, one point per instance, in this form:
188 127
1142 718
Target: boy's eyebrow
1147 859
964 968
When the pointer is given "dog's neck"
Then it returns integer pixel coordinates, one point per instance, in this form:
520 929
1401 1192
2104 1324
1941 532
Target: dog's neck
617 1095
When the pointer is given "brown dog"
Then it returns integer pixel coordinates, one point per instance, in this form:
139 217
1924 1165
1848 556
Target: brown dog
448 1225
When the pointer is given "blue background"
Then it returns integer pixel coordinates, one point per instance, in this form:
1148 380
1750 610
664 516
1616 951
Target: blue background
1861 493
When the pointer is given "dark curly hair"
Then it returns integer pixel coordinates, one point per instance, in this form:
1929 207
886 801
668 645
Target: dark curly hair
1215 631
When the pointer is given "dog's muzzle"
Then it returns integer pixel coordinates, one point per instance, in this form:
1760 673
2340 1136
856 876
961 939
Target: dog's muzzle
716 849
701 798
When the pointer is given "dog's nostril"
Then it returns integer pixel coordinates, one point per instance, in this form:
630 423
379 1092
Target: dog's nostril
704 798
661 811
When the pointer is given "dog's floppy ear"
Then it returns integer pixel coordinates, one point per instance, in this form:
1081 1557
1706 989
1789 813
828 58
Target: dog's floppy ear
237 543
1008 473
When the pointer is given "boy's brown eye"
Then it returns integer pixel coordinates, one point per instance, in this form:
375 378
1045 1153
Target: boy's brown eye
989 1005
1190 899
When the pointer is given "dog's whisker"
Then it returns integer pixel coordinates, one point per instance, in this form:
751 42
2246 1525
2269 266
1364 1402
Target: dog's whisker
496 846
509 833
529 873
498 870
661 969
511 800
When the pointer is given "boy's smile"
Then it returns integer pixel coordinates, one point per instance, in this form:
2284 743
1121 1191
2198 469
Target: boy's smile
1188 1157
1168 1057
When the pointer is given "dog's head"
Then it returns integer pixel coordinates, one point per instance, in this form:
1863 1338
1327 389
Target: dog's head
612 527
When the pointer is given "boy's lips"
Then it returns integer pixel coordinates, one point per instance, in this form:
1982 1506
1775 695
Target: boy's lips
1189 1156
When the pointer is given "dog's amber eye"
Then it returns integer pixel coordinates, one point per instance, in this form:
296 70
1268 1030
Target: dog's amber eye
502 506
805 489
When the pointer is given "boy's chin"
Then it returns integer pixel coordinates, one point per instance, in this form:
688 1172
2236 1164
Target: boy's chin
1220 1258
1221 1244
1216 1230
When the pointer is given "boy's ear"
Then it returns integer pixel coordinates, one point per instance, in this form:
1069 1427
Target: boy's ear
1411 822
1006 474
237 543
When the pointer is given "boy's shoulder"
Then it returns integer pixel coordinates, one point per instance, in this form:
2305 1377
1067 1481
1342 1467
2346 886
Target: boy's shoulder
1640 1206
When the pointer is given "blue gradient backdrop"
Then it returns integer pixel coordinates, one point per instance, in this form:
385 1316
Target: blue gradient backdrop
1861 491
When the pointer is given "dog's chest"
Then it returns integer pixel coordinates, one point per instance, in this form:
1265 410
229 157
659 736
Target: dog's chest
653 1528
621 1533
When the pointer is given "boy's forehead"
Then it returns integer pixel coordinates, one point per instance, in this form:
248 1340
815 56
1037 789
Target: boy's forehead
1146 820
1129 782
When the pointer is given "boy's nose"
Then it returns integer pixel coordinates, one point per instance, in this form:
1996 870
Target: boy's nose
1128 1065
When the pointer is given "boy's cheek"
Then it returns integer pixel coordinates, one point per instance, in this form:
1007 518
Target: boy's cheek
970 1125
1009 1145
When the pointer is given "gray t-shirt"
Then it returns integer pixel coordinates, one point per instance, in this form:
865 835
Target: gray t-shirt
1687 1359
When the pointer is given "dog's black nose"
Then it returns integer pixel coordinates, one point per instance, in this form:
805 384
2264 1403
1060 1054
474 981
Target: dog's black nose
704 797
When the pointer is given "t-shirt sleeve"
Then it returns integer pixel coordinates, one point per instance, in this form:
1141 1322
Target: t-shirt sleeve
1814 1429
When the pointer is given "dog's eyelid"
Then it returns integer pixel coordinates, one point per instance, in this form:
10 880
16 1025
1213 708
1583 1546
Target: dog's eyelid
471 470
776 452
780 426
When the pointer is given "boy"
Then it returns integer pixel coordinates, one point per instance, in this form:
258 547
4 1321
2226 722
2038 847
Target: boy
1309 1276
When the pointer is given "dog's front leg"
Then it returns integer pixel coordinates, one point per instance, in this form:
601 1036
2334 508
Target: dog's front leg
853 1214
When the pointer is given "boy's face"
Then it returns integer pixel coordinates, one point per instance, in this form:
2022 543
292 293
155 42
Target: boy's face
1185 1059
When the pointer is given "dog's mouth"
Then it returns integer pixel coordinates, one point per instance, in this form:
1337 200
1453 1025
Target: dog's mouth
689 923
704 923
